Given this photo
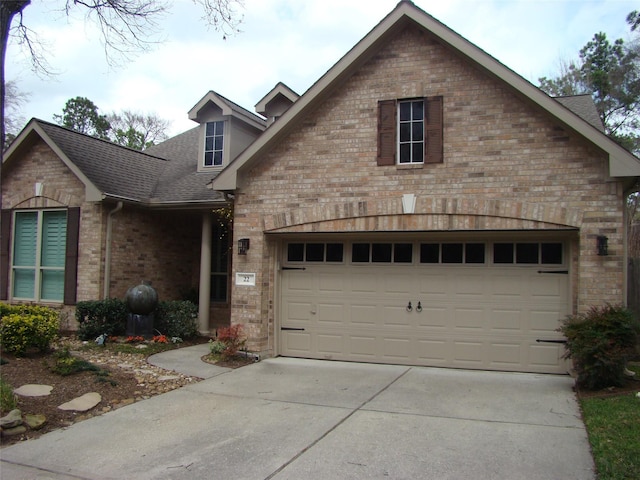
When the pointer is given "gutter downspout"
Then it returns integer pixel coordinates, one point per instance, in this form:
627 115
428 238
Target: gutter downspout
107 250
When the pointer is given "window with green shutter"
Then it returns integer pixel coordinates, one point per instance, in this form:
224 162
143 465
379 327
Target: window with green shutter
39 253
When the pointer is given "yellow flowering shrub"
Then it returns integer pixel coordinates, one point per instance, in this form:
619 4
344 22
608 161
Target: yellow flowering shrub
24 326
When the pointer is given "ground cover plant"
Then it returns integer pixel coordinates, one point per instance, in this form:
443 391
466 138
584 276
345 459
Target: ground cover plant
612 419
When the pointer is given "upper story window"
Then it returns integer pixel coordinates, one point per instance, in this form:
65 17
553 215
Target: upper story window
410 131
213 144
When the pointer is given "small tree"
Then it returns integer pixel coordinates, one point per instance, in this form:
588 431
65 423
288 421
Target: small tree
81 114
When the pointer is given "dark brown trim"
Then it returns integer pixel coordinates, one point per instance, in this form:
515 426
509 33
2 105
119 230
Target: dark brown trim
433 130
71 258
5 251
386 132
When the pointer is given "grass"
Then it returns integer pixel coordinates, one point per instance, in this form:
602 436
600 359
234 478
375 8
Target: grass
613 425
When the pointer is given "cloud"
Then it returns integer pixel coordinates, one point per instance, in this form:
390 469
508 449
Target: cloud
291 41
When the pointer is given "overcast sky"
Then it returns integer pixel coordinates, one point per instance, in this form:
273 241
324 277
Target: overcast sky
293 41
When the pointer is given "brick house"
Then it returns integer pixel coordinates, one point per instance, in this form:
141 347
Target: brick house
420 204
84 219
423 204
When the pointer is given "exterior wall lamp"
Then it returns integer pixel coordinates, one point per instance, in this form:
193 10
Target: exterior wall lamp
243 246
603 245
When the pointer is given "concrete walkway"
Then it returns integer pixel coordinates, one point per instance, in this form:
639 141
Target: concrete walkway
297 419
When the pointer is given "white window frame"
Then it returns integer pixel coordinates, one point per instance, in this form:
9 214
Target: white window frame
39 268
411 142
213 151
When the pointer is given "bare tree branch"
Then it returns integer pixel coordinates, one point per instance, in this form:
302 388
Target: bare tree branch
126 26
222 15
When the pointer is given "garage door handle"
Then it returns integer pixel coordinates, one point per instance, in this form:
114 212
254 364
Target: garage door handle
292 328
562 272
293 268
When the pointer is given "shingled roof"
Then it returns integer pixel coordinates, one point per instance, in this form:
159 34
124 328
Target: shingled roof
584 107
180 182
164 174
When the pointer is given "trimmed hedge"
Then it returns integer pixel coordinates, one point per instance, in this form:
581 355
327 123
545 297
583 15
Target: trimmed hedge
177 318
25 326
96 317
171 318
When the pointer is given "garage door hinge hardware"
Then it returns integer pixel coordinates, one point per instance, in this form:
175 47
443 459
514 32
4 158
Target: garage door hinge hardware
550 341
292 328
562 272
293 268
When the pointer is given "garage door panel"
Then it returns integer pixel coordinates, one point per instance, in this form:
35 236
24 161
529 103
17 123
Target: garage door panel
503 319
543 355
396 349
331 284
396 316
506 287
364 347
296 342
545 322
433 317
505 355
433 351
469 286
298 311
363 314
363 283
398 283
548 287
468 353
479 317
469 318
330 344
329 313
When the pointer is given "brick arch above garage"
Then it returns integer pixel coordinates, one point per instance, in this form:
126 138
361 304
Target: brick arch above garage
431 213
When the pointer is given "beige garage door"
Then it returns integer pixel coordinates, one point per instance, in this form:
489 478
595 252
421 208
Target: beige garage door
474 308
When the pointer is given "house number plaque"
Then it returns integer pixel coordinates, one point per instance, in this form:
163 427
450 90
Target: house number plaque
248 279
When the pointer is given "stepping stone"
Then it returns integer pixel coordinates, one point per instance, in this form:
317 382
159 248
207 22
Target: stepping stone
83 403
19 430
35 421
11 419
33 390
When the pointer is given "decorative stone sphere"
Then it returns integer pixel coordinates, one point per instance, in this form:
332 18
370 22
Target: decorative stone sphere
142 299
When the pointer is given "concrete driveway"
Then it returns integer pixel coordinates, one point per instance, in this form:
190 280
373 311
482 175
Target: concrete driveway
297 419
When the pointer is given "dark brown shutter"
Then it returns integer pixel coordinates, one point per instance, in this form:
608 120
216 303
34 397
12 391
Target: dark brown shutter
387 132
71 259
5 250
433 130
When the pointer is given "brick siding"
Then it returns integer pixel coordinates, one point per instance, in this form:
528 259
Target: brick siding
507 166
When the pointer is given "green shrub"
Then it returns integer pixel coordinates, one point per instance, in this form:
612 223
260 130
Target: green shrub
217 347
600 342
25 326
101 316
176 319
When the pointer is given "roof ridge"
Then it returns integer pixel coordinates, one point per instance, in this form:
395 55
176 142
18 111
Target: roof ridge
86 135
